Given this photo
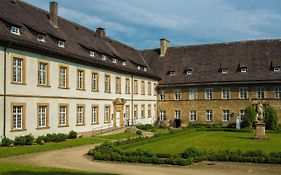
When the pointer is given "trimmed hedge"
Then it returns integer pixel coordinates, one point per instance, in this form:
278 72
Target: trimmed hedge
145 127
109 152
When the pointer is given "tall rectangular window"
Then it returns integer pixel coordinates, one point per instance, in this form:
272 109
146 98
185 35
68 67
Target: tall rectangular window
43 73
209 115
63 115
162 95
209 94
177 95
18 117
277 93
42 115
18 70
155 110
162 115
192 94
136 111
107 83
225 93
95 81
242 112
225 115
127 86
95 114
118 85
260 93
127 112
155 89
149 88
149 110
136 91
80 79
142 87
192 115
177 114
142 111
243 94
63 77
107 114
80 114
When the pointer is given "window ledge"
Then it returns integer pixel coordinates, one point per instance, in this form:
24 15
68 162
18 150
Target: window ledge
65 126
41 85
18 130
81 124
107 92
95 123
80 89
95 90
63 87
106 122
18 83
42 128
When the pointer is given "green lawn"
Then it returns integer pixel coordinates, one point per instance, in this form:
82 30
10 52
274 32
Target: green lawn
12 151
13 169
118 136
210 140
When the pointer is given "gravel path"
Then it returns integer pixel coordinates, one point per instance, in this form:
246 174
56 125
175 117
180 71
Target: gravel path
74 158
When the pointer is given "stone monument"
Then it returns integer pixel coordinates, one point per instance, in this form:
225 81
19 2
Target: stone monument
260 125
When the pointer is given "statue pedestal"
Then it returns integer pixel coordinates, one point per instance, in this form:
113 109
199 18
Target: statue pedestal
260 130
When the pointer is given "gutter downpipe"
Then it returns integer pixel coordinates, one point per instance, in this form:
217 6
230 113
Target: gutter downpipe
5 88
132 99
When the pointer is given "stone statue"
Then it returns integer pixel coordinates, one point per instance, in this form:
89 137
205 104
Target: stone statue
260 112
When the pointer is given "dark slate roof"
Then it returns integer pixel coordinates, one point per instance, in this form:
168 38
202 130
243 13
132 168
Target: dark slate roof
79 40
206 62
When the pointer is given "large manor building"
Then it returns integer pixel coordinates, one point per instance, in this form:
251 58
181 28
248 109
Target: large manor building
58 76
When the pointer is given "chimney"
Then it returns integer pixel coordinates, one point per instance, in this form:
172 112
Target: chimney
54 13
100 32
164 44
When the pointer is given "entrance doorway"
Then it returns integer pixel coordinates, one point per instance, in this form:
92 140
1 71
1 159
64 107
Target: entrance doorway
118 119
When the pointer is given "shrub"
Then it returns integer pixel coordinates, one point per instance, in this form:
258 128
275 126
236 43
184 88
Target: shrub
249 117
20 140
56 137
72 135
271 118
6 142
145 127
40 140
139 132
29 139
190 152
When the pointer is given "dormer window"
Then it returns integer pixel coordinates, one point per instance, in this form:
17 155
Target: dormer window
61 44
92 53
124 63
145 69
139 67
15 30
244 70
276 69
224 71
41 38
103 57
172 73
114 60
189 72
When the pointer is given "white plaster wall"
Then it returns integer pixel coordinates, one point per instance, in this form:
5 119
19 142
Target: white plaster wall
31 94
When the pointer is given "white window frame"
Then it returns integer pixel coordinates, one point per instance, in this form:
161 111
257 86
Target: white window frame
42 116
17 70
244 70
61 44
192 115
209 115
225 115
139 67
241 113
225 93
95 111
162 115
107 114
15 30
124 63
80 79
172 73
188 72
243 93
162 95
192 94
260 93
80 115
177 114
95 81
276 69
145 69
277 92
177 95
63 77
149 114
92 53
43 73
224 71
62 115
209 93
18 117
114 60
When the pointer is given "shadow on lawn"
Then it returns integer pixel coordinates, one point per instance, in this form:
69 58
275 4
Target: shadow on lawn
49 173
240 137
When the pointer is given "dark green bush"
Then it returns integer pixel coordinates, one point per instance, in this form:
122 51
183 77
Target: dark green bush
145 127
56 137
6 142
190 152
29 139
249 117
20 140
271 118
40 140
72 135
139 132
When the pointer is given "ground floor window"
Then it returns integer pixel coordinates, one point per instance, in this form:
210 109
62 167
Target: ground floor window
162 115
18 117
42 116
136 111
149 111
95 114
225 115
80 114
107 114
177 114
209 115
192 115
63 115
142 111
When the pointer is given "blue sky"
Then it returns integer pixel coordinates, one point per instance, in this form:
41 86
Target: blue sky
184 22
